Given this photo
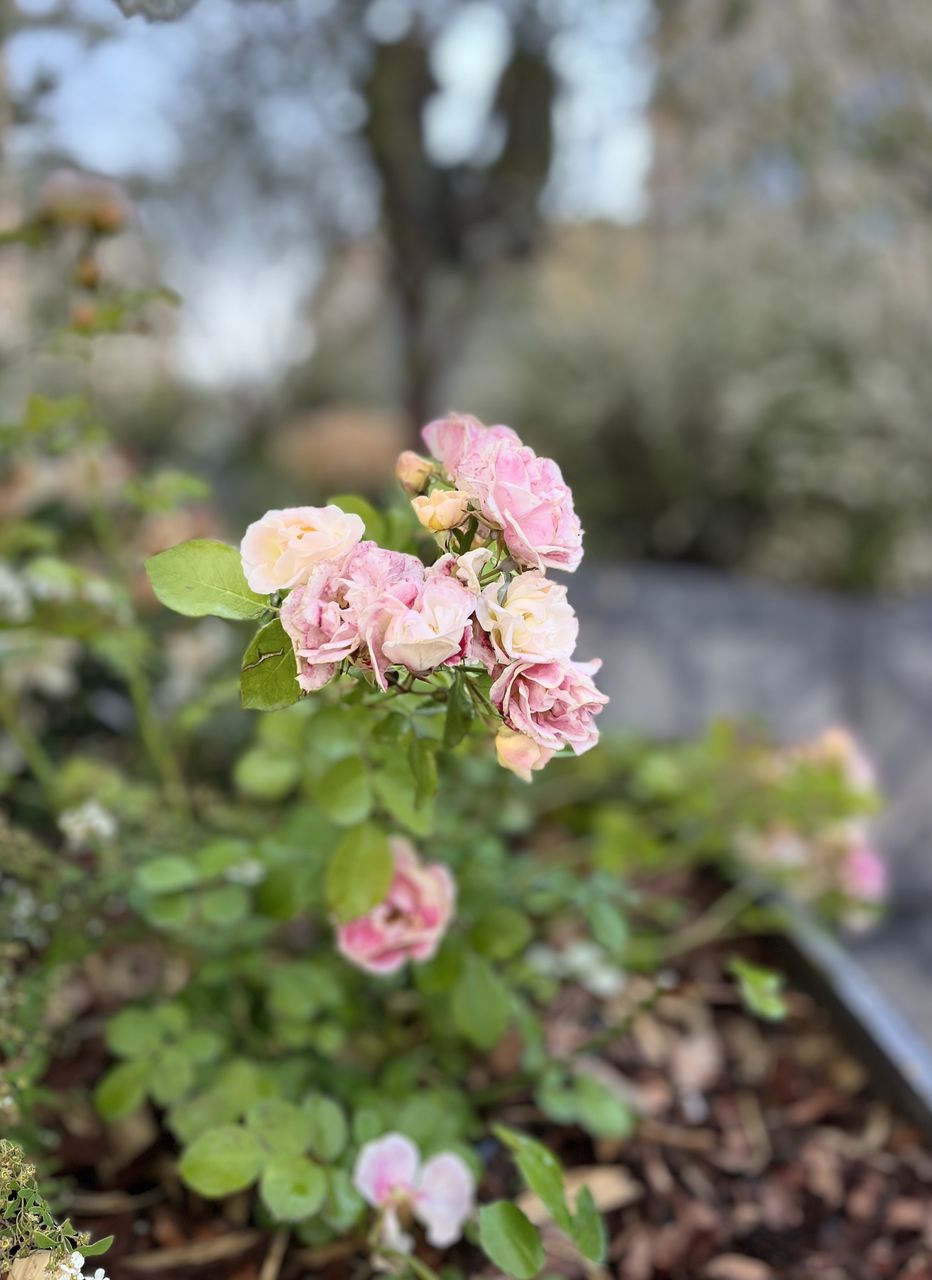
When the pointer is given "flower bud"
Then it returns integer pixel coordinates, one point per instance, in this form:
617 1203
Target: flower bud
442 509
413 471
519 753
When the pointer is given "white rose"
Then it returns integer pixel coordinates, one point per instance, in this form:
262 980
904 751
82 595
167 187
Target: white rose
280 550
530 619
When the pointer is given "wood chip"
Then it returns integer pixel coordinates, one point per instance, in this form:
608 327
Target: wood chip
35 1267
735 1266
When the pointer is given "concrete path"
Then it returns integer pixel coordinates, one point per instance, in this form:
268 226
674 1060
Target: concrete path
682 646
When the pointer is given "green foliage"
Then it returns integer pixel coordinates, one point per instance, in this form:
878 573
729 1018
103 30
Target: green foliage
510 1240
268 677
204 577
761 989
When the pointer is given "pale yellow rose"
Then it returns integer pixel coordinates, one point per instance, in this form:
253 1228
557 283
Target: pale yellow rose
442 509
519 753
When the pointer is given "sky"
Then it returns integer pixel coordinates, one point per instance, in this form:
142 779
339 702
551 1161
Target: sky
113 112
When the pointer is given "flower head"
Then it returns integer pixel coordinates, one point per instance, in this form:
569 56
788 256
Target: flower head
280 550
443 509
433 629
409 923
553 703
451 438
440 1193
528 618
527 499
519 753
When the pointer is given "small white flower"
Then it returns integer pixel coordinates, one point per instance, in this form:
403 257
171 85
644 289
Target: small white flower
86 823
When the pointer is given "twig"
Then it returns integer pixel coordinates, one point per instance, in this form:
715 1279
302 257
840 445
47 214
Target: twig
272 1262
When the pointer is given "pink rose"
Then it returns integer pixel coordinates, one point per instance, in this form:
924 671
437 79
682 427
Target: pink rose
864 875
374 584
321 630
450 439
441 1192
527 498
434 629
411 921
280 550
554 703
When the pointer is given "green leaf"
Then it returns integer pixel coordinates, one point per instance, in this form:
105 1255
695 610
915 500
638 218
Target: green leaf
281 1127
480 1003
225 906
202 577
359 873
459 713
172 1076
609 927
601 1111
396 787
588 1229
267 773
329 1130
424 768
761 989
122 1090
372 519
541 1171
501 932
511 1241
201 1046
345 792
167 874
134 1033
268 678
98 1247
222 1161
293 1188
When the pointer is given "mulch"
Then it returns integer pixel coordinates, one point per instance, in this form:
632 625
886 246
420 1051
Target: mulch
762 1151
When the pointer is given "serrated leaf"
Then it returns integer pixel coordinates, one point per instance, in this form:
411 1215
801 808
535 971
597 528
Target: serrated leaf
459 713
510 1240
202 577
359 873
268 678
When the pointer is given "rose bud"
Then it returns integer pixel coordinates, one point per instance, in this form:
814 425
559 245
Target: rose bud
413 471
519 753
442 509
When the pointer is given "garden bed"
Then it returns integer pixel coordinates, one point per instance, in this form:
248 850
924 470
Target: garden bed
761 1150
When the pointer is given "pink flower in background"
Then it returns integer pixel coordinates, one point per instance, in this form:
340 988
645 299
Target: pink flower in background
838 748
440 1193
280 550
320 630
450 439
528 617
554 703
519 753
527 498
434 629
409 924
864 875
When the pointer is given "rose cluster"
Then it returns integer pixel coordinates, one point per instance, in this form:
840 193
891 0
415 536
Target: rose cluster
837 860
503 517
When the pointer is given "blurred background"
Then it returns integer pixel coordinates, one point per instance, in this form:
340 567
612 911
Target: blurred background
681 245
